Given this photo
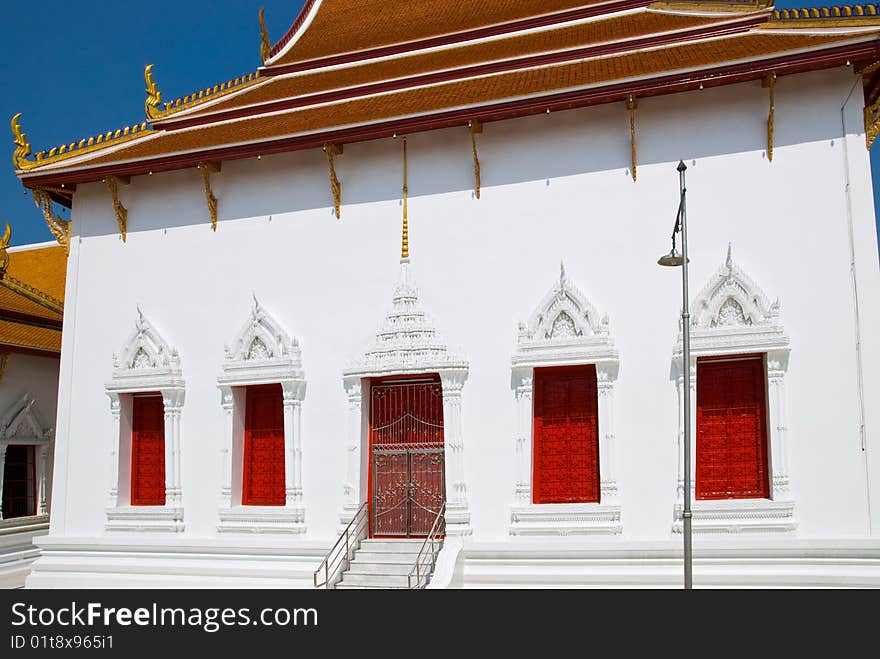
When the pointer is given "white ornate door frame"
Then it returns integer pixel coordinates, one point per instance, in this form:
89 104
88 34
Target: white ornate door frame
21 425
262 353
565 330
146 363
732 316
407 344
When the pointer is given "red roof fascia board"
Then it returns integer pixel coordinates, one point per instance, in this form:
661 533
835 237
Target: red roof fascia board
731 74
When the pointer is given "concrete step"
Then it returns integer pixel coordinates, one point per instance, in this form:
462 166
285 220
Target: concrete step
380 568
384 557
402 545
373 580
341 586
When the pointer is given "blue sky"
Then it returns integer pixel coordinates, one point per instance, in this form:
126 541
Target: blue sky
74 68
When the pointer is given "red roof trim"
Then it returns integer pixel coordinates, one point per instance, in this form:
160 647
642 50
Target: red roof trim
446 39
467 72
34 352
29 319
784 65
297 24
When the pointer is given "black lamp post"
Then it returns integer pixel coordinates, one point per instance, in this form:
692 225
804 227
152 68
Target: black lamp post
674 259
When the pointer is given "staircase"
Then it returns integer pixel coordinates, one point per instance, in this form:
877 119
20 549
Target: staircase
386 564
356 561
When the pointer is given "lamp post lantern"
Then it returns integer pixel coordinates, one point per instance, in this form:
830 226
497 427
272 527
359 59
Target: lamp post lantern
675 259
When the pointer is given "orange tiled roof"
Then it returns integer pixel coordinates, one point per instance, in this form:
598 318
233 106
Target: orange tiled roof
29 337
32 299
466 92
627 26
643 42
343 26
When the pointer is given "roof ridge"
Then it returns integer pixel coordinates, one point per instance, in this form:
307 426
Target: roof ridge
32 293
835 11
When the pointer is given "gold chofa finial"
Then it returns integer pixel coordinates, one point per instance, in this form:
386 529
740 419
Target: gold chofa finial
265 44
154 96
4 256
404 245
22 148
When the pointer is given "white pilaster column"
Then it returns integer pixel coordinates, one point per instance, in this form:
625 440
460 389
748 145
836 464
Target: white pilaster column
293 393
41 454
605 377
457 511
227 400
115 437
2 469
523 487
776 419
173 401
352 486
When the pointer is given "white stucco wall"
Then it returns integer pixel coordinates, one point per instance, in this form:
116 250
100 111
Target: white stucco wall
555 187
38 378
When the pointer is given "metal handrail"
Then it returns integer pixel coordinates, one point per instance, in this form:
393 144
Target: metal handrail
432 538
350 539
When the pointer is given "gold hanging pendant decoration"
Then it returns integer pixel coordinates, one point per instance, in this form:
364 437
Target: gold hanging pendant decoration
4 362
118 209
332 150
476 127
770 82
631 105
206 169
59 228
404 243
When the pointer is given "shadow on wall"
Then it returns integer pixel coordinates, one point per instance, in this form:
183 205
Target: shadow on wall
688 126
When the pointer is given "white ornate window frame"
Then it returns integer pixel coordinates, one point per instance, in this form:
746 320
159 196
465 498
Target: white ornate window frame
262 353
147 363
732 316
565 330
22 425
407 344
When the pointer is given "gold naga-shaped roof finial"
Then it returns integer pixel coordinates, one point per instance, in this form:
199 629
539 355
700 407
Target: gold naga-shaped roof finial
265 44
404 244
22 148
154 96
4 255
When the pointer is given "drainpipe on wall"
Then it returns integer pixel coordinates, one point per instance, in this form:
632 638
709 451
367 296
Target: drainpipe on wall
855 290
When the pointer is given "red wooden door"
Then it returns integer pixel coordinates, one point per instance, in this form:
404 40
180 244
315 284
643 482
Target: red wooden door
148 451
407 484
263 467
731 429
566 435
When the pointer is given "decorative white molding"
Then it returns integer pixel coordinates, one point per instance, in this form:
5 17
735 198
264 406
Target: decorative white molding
22 425
731 315
565 330
262 353
408 343
146 363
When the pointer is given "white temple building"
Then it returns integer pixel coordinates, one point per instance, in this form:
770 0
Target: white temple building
400 284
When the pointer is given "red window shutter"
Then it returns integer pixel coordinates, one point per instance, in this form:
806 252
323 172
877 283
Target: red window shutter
566 436
148 451
263 472
731 429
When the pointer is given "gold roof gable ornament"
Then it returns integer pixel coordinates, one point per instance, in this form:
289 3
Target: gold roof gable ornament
22 147
265 44
154 96
4 255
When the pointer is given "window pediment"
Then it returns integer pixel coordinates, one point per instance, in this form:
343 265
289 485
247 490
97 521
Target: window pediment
146 360
22 423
